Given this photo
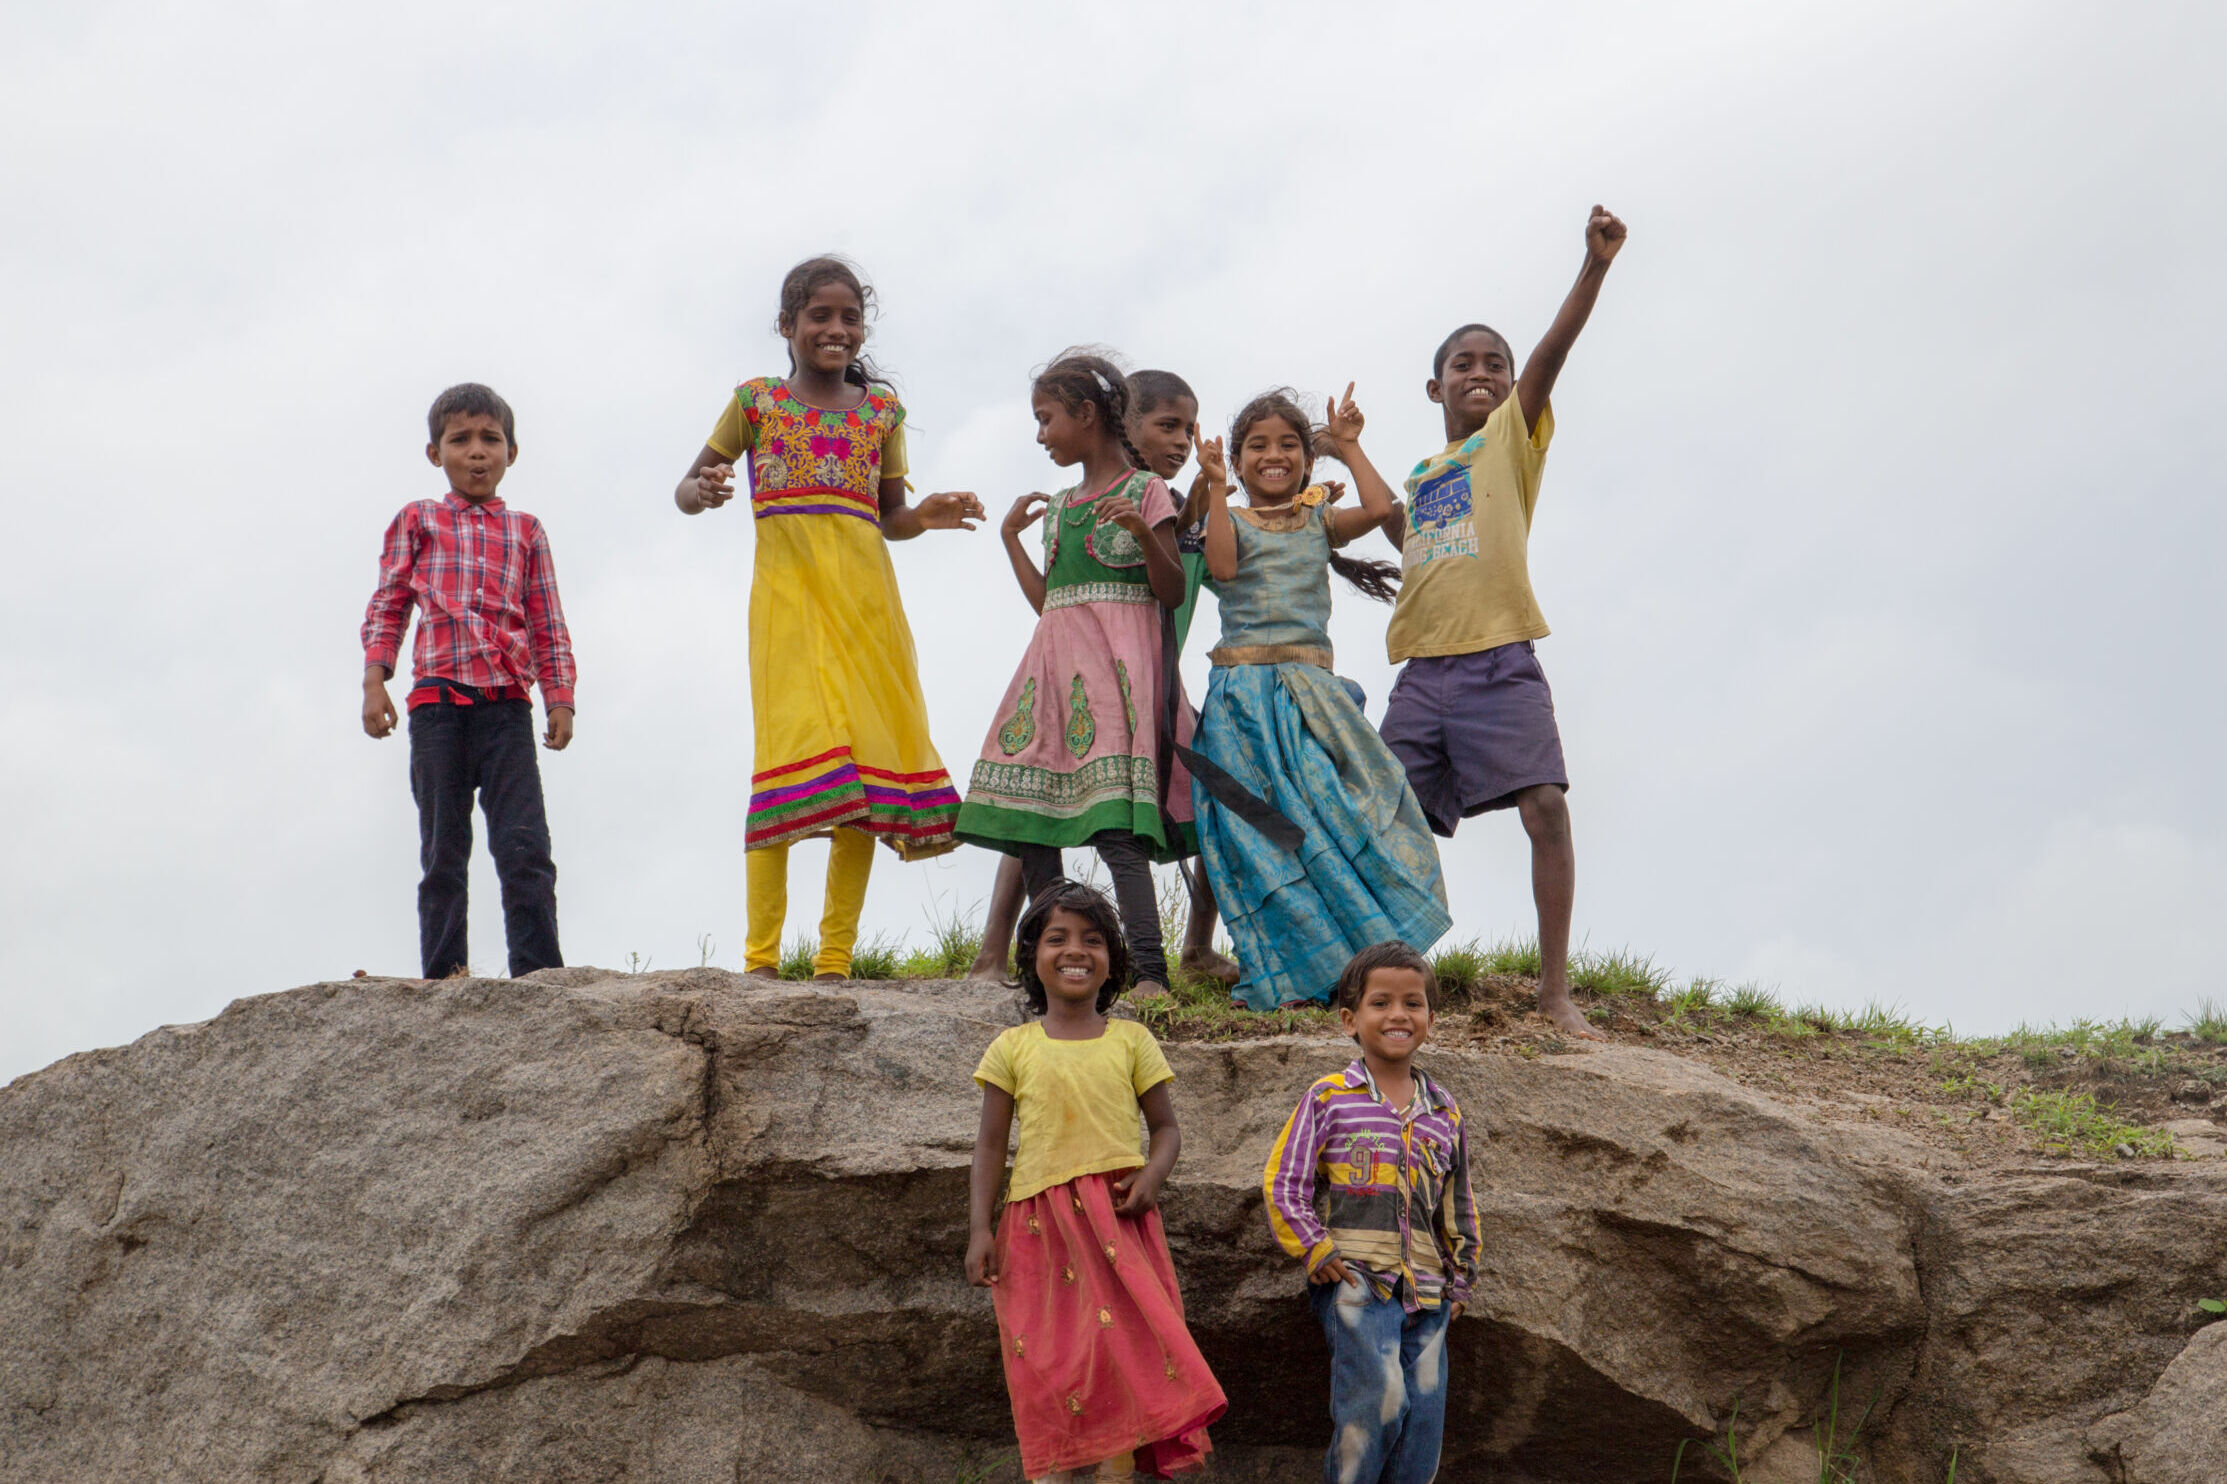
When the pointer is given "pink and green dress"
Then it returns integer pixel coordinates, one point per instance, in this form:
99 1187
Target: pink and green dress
1079 746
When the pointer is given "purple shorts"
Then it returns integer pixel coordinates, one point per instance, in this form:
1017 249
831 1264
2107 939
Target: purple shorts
1473 731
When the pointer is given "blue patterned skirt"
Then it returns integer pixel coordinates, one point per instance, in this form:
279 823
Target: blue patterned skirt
1368 870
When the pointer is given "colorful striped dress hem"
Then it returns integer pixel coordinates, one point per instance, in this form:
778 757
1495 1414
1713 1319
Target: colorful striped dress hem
913 812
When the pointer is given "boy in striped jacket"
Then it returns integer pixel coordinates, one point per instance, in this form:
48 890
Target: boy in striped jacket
1369 1183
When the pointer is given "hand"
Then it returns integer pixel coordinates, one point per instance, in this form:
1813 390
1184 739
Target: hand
1456 1309
1122 511
1333 1270
1140 1189
560 728
1211 463
982 1260
949 512
1333 490
1341 421
378 709
715 485
1604 234
1022 515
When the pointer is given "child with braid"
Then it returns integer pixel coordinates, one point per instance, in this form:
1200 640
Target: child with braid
1163 422
1307 828
1082 750
842 726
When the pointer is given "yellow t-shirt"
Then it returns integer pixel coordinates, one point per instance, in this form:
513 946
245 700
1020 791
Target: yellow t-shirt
1076 1100
1466 578
731 436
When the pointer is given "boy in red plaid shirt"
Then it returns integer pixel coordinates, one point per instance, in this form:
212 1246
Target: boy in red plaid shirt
489 626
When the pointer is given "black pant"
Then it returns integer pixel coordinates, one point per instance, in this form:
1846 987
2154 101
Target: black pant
1130 864
487 747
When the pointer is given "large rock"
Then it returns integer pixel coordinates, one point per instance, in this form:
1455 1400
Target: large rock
694 1226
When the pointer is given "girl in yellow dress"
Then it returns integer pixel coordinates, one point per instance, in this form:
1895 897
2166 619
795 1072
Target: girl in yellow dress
842 728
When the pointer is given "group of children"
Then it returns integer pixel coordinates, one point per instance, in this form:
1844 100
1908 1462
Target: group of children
1312 830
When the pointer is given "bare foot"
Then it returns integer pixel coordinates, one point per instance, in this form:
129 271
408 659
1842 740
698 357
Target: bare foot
768 972
1200 959
983 969
1555 1004
1148 986
829 978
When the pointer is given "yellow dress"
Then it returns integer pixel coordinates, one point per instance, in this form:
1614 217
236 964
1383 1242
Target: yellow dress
842 726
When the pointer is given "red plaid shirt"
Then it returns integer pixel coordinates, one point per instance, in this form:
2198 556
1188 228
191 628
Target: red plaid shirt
486 593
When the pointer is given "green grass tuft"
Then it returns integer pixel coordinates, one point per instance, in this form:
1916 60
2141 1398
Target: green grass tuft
1459 966
2074 1123
2209 1023
954 939
1752 1000
1518 956
1620 973
796 958
1698 998
877 958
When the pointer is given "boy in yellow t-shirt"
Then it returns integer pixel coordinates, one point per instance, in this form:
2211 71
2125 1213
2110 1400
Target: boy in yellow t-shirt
1471 717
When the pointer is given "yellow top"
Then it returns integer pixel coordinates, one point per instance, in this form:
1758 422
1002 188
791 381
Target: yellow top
1076 1100
733 435
1466 583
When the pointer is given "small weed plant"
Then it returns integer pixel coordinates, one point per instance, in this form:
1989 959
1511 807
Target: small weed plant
1834 1437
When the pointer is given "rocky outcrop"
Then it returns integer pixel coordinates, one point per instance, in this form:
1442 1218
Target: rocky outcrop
693 1226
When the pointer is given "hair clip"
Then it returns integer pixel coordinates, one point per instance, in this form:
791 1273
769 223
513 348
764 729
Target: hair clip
1100 377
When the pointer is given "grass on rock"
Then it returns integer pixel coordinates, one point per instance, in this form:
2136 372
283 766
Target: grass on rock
2094 1089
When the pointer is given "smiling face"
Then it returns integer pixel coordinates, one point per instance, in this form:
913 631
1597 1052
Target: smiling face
1072 960
1476 377
1393 1016
1067 433
826 335
1163 435
474 453
1272 460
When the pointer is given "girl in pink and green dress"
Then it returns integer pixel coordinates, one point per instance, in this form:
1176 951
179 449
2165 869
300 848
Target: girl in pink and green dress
1083 749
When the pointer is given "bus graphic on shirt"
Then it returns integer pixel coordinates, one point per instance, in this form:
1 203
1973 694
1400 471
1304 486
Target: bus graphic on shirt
1440 521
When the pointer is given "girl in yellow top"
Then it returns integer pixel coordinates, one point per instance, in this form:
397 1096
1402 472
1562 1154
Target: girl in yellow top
1101 1369
842 728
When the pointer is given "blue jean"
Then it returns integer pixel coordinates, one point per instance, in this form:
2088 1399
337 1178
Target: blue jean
1387 1386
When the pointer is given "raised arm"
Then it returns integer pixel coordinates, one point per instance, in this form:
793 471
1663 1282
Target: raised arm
1342 425
1221 535
1604 237
1025 512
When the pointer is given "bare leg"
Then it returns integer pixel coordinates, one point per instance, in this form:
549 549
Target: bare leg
1198 938
1546 819
997 930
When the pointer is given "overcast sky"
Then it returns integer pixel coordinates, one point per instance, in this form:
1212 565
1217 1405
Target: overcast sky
1880 534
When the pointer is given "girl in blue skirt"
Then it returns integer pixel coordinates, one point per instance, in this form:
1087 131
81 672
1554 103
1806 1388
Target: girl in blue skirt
1309 833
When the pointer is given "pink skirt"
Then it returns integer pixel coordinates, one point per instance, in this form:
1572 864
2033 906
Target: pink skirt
1098 1361
1075 747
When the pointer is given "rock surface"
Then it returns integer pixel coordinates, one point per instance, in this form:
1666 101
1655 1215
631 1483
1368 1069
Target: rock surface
692 1226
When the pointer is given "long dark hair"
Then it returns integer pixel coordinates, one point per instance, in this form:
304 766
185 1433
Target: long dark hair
1087 903
797 288
1378 580
1081 376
